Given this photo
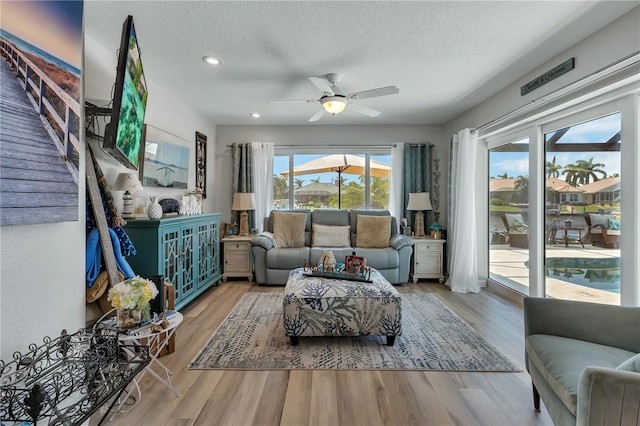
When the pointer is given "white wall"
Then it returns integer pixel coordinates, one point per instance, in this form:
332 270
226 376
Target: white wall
42 284
310 136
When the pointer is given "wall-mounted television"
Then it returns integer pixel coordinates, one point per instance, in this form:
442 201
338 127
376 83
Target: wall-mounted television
123 135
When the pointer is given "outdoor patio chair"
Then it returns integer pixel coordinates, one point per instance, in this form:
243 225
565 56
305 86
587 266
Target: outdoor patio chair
600 231
517 231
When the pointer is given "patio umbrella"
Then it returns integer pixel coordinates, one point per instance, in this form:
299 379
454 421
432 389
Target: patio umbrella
341 163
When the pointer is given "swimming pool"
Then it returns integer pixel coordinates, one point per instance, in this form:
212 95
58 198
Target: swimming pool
601 274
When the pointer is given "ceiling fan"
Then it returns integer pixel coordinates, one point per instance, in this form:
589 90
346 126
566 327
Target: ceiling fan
334 101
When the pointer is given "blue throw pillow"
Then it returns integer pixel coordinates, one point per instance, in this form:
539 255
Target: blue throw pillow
613 224
632 364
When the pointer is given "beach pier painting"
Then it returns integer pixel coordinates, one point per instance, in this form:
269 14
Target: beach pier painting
40 111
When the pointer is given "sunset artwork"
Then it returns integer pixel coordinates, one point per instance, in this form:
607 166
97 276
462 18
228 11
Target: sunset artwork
41 48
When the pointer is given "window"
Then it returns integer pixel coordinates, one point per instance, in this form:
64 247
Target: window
332 180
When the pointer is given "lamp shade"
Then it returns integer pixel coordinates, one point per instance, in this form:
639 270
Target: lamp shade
419 201
244 201
127 182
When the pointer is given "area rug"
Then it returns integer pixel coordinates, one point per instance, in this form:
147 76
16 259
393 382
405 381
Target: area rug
433 338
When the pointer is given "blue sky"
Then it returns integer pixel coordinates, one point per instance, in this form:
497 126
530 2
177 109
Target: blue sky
596 131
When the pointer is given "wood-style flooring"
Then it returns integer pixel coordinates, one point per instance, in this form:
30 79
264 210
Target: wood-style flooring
303 397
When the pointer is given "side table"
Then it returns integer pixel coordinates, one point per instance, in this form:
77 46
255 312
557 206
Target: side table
156 341
427 259
237 257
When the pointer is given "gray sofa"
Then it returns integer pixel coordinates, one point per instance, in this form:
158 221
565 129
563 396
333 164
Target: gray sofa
272 265
584 360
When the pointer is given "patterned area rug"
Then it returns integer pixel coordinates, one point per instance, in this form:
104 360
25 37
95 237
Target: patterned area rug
433 338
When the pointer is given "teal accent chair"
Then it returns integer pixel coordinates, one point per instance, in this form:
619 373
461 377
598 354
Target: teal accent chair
584 360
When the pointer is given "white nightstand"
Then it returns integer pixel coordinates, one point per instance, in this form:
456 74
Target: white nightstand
237 257
427 259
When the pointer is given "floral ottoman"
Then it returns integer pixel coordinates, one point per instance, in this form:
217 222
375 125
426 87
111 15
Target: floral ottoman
319 306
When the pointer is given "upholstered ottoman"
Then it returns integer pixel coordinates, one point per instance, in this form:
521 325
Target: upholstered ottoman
318 306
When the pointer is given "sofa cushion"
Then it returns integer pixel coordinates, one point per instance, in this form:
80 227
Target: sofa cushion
561 361
331 236
386 258
373 231
286 258
516 223
632 364
600 219
288 229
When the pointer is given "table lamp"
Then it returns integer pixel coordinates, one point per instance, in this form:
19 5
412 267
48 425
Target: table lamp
419 201
243 201
127 182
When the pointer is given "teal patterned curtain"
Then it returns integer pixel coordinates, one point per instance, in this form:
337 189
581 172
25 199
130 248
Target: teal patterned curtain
416 177
242 175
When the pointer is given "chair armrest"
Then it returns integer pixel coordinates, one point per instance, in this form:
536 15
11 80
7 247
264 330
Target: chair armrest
264 240
607 396
608 325
399 240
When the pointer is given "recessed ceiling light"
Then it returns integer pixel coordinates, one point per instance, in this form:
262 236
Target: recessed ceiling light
254 115
212 60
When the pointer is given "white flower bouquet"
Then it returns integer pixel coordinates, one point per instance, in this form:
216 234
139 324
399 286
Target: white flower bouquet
135 294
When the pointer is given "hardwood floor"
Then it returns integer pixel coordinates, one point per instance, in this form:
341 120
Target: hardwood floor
305 397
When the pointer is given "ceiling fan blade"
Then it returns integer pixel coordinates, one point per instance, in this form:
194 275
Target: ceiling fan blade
294 101
317 116
364 110
322 84
374 93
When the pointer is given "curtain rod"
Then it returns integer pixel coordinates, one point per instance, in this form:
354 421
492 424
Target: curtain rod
620 65
393 145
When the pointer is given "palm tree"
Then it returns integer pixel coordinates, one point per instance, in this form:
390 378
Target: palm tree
582 171
316 180
521 187
553 169
504 176
299 183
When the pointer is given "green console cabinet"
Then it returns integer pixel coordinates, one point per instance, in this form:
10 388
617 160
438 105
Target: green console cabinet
185 249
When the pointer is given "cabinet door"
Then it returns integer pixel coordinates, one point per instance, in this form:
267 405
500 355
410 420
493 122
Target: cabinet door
237 257
188 260
208 263
170 255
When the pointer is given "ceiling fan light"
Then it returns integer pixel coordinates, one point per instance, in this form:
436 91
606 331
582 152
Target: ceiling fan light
334 104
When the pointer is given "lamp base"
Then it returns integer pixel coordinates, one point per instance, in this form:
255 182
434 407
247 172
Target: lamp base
419 225
127 206
244 224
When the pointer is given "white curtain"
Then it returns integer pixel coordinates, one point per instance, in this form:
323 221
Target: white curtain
262 180
395 193
463 277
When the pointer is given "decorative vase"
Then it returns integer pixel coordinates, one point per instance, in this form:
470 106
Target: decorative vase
129 318
154 211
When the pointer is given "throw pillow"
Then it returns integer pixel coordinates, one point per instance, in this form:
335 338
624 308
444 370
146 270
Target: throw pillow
331 236
613 224
373 231
288 229
632 364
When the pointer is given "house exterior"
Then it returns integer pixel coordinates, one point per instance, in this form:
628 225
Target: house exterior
603 191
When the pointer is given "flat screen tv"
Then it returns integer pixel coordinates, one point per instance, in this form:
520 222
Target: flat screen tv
123 134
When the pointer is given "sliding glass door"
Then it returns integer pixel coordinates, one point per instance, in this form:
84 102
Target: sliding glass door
562 202
509 214
583 209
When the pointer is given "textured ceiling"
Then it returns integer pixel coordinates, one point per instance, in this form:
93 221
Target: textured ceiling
445 57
